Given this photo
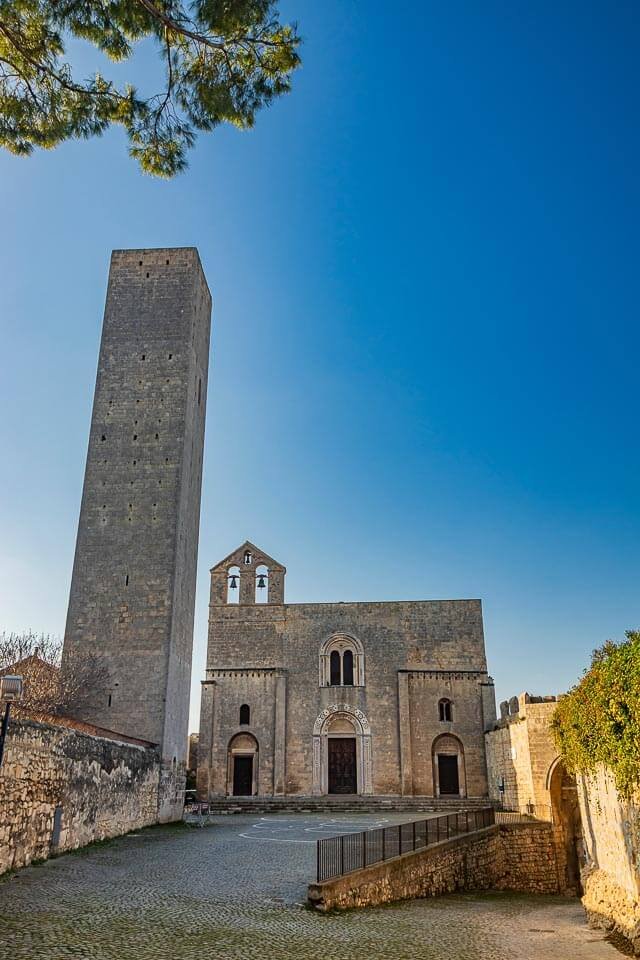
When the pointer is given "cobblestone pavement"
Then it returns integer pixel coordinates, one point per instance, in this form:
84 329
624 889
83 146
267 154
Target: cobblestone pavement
236 891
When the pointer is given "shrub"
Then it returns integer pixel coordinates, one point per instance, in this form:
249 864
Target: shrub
598 721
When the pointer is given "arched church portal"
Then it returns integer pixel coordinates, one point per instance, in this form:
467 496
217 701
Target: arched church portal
242 766
449 775
342 752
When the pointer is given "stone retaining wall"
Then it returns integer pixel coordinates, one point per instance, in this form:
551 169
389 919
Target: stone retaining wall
61 788
611 877
519 857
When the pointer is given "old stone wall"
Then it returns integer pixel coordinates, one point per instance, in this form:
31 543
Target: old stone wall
518 857
61 788
521 754
611 836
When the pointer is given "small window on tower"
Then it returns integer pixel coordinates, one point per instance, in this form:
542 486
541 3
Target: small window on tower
248 557
245 715
445 710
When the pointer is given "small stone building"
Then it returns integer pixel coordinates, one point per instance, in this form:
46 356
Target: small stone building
310 699
527 775
522 756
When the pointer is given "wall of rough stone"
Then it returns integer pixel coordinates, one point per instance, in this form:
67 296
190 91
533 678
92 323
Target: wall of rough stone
132 592
521 753
518 857
55 779
611 836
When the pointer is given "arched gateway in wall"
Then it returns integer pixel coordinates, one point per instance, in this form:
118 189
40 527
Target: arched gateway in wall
342 752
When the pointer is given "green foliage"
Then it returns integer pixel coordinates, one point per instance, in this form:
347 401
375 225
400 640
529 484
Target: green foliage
599 719
223 60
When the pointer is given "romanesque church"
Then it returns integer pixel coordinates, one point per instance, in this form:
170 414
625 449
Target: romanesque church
313 699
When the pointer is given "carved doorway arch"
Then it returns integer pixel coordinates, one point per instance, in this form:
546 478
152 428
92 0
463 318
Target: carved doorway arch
342 720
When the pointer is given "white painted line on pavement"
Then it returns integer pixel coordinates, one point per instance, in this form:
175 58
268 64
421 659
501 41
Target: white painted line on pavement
273 839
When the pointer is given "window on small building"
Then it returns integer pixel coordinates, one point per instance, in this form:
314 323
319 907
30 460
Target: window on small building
245 715
445 710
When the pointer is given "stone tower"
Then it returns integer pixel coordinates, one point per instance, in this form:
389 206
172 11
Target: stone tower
134 574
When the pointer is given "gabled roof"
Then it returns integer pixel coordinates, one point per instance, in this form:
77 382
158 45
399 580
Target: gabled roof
31 662
235 557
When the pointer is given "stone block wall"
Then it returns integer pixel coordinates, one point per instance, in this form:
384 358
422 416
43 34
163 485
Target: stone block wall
132 597
521 753
611 835
518 857
61 788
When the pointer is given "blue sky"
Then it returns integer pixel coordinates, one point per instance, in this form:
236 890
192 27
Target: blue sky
425 341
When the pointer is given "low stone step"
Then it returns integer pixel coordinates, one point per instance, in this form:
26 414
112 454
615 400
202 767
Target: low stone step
344 804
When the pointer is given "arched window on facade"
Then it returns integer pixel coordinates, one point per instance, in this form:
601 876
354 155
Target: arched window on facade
233 585
245 715
335 669
347 668
445 708
341 662
262 584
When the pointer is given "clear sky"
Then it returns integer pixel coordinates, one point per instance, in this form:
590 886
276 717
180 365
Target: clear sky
424 378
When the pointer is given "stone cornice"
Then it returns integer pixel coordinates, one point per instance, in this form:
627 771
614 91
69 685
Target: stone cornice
435 674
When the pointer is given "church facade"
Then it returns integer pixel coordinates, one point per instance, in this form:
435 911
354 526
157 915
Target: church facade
312 699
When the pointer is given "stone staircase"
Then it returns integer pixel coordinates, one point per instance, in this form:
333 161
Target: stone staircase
344 804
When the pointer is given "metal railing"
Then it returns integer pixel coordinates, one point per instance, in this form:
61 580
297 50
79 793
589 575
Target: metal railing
353 851
523 812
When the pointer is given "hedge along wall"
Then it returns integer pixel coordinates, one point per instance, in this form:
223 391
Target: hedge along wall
61 788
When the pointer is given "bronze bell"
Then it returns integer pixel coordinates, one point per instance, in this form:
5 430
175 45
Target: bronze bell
261 583
233 582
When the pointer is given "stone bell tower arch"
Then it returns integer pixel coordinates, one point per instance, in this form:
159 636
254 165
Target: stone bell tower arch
244 574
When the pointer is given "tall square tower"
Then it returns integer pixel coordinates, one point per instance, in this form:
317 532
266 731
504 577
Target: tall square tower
133 586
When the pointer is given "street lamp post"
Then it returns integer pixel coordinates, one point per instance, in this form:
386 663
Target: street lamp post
10 690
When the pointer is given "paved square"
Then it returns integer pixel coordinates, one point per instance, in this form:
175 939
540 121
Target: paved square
236 891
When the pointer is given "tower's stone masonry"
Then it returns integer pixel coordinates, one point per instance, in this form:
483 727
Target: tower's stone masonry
133 586
405 682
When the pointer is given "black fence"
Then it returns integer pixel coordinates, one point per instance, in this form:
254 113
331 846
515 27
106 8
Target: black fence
353 851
